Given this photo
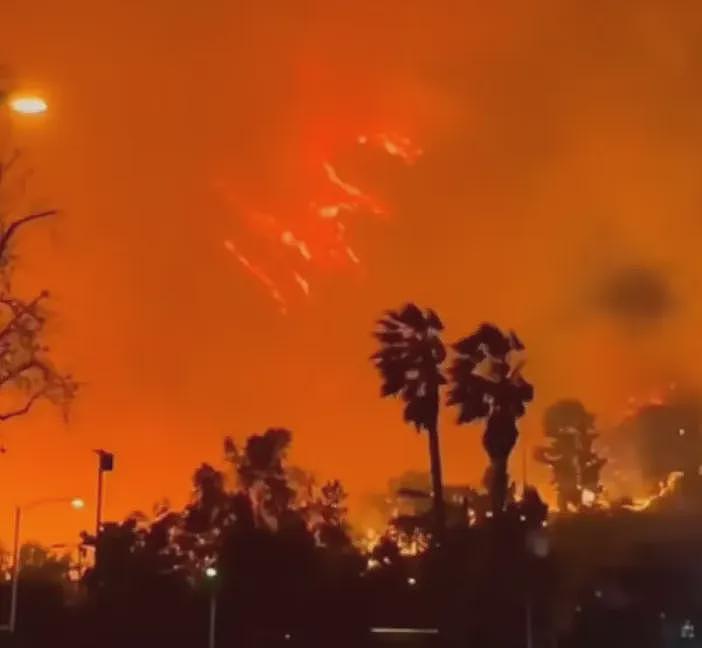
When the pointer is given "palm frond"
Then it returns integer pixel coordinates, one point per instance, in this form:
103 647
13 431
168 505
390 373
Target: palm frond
499 387
409 360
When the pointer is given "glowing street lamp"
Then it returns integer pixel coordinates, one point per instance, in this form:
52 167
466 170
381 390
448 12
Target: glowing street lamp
211 573
28 105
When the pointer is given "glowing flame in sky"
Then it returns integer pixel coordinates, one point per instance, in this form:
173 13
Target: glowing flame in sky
396 145
316 233
288 238
303 283
260 275
360 199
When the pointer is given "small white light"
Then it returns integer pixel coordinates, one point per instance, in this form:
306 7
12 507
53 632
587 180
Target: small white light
411 581
687 630
488 514
78 503
28 105
287 636
522 517
681 431
211 572
588 497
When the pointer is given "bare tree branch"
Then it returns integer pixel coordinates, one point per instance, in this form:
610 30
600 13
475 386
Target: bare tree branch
22 410
15 225
24 368
19 310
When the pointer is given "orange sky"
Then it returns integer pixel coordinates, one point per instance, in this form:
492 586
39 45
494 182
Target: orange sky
561 147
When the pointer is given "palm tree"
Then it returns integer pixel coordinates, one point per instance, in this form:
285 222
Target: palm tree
409 362
486 384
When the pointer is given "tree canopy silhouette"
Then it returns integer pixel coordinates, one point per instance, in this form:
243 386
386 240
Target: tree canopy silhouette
569 430
261 473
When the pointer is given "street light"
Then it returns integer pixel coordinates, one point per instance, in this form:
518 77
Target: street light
27 104
106 463
15 107
211 573
76 503
23 104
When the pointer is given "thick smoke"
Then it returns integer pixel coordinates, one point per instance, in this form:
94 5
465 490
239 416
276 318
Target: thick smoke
636 296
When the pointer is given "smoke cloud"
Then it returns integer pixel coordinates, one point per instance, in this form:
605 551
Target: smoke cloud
636 296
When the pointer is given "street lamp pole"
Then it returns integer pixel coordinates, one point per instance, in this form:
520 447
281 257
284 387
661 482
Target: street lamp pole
211 574
98 508
15 569
106 462
528 623
76 503
213 618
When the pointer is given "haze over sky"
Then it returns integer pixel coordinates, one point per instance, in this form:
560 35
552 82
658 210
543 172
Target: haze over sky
558 194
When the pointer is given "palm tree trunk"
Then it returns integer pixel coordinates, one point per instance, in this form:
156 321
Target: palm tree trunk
499 484
436 482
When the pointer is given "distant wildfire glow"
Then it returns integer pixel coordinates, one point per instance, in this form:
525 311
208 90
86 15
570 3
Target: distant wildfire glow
655 398
664 489
318 236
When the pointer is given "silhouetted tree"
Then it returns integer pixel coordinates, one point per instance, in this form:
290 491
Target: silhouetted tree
486 384
262 475
569 429
39 563
326 515
27 373
196 537
409 361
